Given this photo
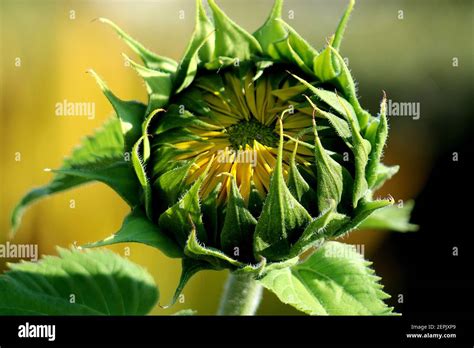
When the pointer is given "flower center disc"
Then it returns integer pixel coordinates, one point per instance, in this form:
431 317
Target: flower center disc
245 132
232 128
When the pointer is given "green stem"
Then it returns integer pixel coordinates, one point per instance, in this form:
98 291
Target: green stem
242 295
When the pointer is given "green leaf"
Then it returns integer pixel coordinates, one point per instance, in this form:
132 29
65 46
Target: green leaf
193 99
174 117
212 215
272 31
379 143
298 50
231 40
323 65
282 43
361 149
340 126
283 218
204 27
200 48
189 267
116 174
202 257
337 103
383 174
256 201
362 212
162 155
173 182
136 228
139 161
298 185
335 280
324 225
392 218
150 59
214 257
106 143
371 130
239 226
329 175
288 93
342 25
359 146
158 84
347 85
130 113
184 215
101 282
175 136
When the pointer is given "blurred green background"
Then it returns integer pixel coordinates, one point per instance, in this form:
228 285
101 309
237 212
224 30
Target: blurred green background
411 58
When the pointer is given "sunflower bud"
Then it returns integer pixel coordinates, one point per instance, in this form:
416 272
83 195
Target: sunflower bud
263 151
250 151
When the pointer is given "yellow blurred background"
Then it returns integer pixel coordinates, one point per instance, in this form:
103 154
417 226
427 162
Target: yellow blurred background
47 46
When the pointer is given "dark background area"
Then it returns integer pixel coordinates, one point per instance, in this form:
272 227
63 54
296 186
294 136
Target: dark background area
437 262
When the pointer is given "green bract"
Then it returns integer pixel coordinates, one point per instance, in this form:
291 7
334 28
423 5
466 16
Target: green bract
317 162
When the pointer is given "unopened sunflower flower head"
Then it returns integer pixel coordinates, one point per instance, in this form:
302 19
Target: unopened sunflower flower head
249 152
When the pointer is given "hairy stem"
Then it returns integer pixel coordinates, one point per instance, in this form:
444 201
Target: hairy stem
242 295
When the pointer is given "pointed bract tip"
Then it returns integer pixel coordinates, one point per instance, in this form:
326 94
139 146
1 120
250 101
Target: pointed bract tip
92 72
330 41
164 306
383 104
103 20
277 9
315 108
98 79
280 124
342 25
127 58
